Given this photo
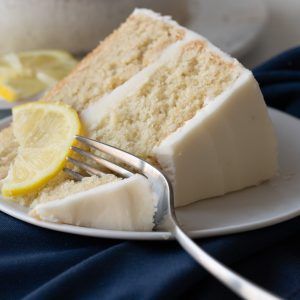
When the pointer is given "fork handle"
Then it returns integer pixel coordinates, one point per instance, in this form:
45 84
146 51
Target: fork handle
232 280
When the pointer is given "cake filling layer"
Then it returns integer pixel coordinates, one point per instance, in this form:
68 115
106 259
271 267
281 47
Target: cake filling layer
163 99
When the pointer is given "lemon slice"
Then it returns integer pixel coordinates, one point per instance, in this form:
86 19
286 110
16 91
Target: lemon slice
27 74
45 132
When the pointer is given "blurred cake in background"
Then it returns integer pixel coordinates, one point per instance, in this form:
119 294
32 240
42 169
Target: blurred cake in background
76 26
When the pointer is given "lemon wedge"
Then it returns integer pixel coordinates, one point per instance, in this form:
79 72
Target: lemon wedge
45 132
26 74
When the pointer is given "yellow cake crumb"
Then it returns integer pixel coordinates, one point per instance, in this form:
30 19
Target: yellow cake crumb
172 95
134 45
70 187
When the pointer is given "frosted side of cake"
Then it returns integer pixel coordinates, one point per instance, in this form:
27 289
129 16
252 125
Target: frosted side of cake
229 145
127 204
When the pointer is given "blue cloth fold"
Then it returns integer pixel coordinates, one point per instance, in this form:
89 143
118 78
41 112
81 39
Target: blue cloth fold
279 79
36 263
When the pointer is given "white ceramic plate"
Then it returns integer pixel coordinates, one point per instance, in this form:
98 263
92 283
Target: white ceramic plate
270 203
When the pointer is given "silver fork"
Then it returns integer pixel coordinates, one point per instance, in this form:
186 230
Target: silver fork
165 217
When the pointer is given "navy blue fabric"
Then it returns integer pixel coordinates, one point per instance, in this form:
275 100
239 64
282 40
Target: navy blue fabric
279 79
37 263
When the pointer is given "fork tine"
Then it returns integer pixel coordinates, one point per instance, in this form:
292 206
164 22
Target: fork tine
88 168
104 162
75 175
123 156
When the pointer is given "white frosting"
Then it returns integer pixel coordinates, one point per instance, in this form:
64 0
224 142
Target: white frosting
128 204
228 145
154 15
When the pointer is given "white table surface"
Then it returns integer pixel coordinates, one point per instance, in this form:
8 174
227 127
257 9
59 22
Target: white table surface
282 32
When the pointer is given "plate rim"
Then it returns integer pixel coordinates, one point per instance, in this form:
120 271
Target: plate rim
7 208
144 235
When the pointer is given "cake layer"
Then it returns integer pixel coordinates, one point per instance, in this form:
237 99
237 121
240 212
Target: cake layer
140 114
134 45
128 204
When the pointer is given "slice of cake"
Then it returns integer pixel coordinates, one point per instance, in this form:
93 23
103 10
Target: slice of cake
173 99
127 204
197 114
